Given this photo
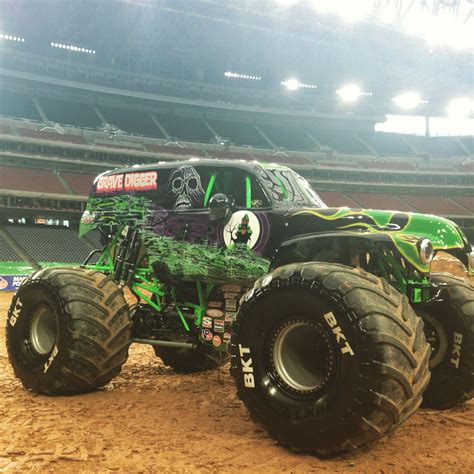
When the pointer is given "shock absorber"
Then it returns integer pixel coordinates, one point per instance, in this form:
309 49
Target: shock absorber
122 252
130 263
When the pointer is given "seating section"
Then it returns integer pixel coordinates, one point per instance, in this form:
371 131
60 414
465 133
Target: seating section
467 202
342 141
239 133
291 138
28 179
132 121
80 183
433 204
70 113
7 254
337 199
387 202
185 128
50 243
50 135
387 143
5 130
14 104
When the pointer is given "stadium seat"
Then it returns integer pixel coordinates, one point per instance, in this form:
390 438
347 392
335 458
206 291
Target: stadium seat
80 183
58 137
14 104
50 243
389 202
7 254
29 179
70 113
433 204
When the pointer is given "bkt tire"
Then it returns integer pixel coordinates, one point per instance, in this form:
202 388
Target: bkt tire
328 358
68 331
449 328
191 360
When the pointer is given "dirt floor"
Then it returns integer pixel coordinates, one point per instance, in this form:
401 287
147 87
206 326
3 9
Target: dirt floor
152 419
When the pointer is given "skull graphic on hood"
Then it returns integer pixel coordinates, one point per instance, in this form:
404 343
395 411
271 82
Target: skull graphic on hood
185 184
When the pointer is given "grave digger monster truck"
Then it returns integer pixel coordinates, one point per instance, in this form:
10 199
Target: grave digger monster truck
321 309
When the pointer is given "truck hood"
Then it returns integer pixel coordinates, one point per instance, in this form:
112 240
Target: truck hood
405 229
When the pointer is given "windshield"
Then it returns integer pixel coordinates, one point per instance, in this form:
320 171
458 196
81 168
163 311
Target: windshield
289 188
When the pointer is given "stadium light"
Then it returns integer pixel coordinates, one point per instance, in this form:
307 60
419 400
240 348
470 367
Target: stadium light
408 100
293 84
19 39
461 107
351 93
237 75
71 47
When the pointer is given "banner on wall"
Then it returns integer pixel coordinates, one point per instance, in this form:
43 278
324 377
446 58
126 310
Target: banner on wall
11 282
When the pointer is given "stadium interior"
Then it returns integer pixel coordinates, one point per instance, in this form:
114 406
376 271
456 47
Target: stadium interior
163 91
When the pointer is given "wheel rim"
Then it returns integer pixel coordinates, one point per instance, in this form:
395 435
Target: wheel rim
436 337
302 356
42 330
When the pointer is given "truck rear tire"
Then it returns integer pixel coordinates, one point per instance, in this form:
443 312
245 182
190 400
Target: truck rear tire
68 331
191 360
449 328
328 358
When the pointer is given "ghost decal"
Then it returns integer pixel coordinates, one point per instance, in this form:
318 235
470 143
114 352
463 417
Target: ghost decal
185 184
242 228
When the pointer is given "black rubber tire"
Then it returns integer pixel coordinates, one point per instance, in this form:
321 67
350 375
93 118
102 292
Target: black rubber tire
365 395
92 331
452 375
191 360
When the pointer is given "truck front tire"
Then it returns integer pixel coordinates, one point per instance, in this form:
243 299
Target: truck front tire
449 328
328 358
68 331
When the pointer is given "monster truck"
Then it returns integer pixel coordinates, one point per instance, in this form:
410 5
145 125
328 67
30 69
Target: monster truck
321 309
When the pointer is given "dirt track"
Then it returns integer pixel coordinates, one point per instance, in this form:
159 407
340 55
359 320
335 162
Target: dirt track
152 419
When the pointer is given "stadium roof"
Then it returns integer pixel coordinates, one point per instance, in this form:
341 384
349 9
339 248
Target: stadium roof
203 40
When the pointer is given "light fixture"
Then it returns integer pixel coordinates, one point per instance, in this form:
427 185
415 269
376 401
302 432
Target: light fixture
71 47
408 100
237 75
19 39
291 84
351 93
461 107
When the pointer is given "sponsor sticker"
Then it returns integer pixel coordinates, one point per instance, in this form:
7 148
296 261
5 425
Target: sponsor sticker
214 304
206 335
206 322
231 296
219 325
216 341
231 289
231 305
230 316
215 313
226 337
3 283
